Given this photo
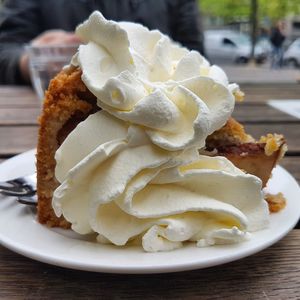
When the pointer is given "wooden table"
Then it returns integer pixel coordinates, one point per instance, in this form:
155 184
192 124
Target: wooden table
271 274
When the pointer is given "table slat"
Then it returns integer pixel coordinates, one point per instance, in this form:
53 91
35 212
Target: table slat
261 93
272 274
243 113
18 96
255 93
255 113
15 139
25 116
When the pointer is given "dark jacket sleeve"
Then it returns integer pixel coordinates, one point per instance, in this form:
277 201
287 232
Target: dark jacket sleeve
186 26
19 24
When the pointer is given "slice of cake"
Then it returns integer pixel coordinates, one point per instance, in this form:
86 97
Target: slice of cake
68 102
136 141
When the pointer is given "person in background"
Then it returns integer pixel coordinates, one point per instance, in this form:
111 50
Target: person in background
277 38
43 22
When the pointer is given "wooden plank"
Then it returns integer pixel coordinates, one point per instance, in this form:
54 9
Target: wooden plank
244 112
274 273
18 96
12 96
15 139
261 93
19 116
290 131
270 86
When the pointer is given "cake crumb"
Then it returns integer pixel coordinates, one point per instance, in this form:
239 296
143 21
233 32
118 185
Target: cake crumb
273 142
275 202
239 96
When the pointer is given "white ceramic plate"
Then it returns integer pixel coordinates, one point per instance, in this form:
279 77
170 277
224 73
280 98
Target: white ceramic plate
20 232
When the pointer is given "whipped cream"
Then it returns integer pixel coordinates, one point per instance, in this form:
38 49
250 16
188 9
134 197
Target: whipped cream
132 171
142 77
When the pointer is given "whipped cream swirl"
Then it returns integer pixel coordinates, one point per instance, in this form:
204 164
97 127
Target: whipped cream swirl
142 77
132 170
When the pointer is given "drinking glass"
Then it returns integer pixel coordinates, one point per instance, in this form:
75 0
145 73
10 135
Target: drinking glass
45 62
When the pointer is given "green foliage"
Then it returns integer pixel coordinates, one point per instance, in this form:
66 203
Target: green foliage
278 9
233 10
228 9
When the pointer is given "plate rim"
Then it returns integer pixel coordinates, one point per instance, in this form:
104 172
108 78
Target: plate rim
71 264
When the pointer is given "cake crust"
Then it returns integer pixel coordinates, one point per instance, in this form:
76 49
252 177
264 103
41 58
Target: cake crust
62 103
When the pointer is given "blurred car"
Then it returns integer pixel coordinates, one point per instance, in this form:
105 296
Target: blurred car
229 46
291 56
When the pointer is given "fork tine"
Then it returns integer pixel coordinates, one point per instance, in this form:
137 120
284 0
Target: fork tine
22 186
28 200
17 191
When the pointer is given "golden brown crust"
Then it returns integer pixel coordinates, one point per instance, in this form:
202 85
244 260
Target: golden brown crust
273 142
232 133
275 202
61 103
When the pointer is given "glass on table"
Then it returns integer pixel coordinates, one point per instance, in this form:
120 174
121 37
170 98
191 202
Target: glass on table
45 62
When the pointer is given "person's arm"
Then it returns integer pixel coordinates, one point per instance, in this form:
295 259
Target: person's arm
186 25
19 24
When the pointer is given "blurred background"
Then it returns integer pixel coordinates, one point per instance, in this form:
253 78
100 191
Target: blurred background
253 40
251 37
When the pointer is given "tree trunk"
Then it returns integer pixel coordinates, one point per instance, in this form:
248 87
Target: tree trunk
253 20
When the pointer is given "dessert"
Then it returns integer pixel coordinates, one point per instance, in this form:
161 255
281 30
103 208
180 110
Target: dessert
254 157
130 145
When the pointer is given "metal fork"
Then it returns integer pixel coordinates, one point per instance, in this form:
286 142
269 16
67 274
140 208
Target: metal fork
24 188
